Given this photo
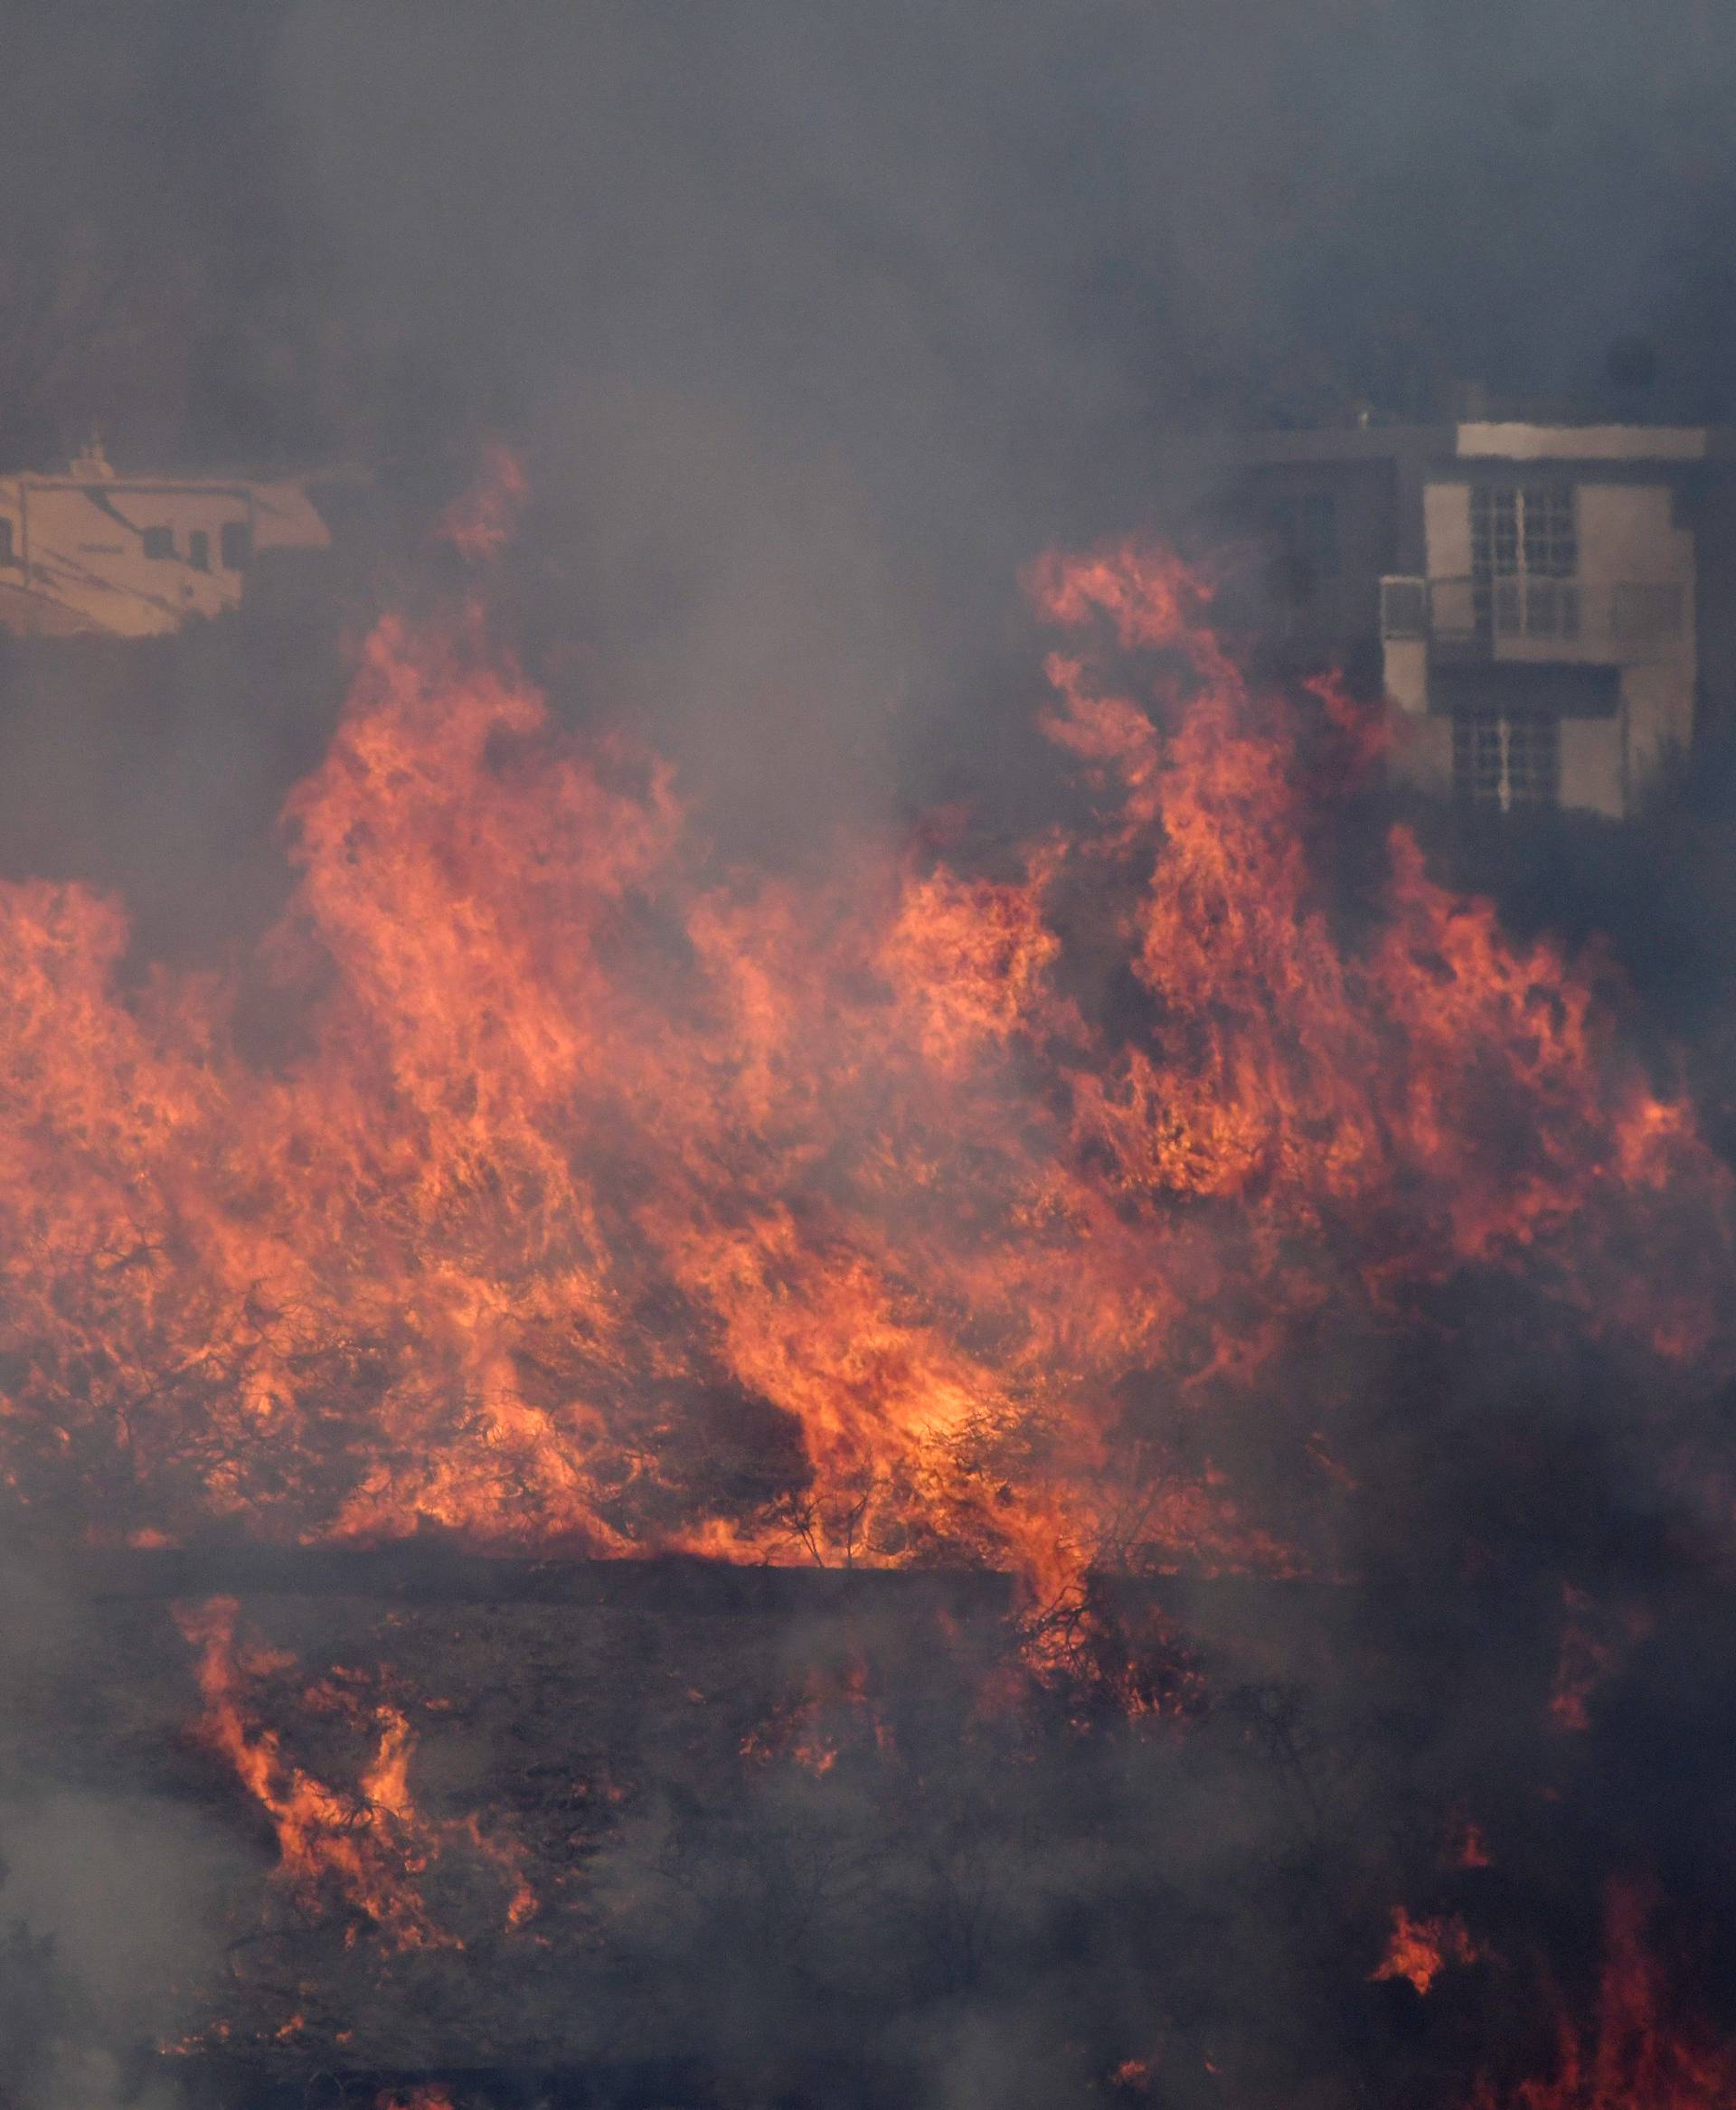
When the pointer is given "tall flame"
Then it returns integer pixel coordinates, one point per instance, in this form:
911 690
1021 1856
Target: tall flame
607 1198
1637 2053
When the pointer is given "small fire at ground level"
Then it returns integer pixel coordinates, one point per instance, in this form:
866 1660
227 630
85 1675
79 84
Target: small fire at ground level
635 1809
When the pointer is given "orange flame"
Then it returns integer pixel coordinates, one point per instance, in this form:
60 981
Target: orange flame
613 1202
1420 1950
1636 2055
366 1849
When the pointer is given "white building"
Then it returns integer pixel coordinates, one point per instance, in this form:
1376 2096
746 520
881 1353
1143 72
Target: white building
135 556
1529 596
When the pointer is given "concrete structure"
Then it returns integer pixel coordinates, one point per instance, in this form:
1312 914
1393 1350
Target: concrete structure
1533 599
90 550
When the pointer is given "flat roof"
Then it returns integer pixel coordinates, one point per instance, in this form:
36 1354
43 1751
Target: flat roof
1514 442
1488 439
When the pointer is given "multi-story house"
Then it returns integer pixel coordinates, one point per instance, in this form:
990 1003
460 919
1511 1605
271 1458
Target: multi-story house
1543 605
89 551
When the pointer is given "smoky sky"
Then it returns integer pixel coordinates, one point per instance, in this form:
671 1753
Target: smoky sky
820 321
977 250
990 241
815 322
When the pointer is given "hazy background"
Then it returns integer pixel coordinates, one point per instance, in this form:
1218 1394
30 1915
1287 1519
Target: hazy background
996 231
813 322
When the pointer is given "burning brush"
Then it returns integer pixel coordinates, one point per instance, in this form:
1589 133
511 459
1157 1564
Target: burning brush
608 1201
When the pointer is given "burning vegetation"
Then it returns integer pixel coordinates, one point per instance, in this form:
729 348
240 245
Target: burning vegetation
1200 1198
600 1199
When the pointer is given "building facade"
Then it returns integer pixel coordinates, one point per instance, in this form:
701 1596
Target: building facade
90 552
1535 601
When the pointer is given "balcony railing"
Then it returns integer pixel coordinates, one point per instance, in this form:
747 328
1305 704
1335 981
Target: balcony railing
1536 618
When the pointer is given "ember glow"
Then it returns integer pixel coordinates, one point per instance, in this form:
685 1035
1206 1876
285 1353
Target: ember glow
1637 2052
607 1199
1420 1950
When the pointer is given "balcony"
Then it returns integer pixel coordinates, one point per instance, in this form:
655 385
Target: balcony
1519 617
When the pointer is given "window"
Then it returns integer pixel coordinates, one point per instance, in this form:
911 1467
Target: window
1550 541
1305 530
1507 759
1524 556
158 541
199 550
1495 530
236 545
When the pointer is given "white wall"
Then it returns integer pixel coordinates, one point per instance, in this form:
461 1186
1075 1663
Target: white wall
78 559
86 551
1657 703
1447 528
1406 674
1627 536
1593 772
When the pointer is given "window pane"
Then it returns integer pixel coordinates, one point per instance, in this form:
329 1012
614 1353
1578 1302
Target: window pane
1533 760
1550 531
1530 529
1507 760
1495 529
